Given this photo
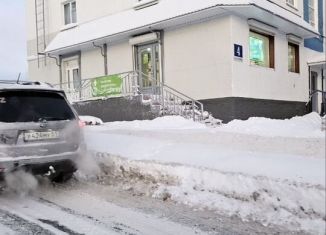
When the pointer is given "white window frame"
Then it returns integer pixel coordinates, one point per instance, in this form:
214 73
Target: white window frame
71 20
292 3
70 64
139 4
313 20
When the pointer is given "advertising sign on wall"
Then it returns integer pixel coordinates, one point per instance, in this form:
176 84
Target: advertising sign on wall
107 86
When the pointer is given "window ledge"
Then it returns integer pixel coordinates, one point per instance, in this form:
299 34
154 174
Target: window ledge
292 7
261 67
145 3
295 74
68 26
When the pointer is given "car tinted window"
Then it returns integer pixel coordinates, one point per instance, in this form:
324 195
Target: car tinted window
33 106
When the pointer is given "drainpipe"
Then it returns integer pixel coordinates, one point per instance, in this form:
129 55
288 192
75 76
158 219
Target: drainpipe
60 70
105 48
161 54
104 53
309 103
58 61
322 80
80 72
323 92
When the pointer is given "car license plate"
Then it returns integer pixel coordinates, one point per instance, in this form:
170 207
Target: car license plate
42 135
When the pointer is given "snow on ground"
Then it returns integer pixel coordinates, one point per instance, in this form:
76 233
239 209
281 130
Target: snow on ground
306 126
163 123
272 172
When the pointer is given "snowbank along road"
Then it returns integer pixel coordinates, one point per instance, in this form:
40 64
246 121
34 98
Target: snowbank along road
100 206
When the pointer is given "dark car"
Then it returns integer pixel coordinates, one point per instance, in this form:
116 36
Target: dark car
39 131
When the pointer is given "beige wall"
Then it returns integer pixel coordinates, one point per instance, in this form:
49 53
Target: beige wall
54 18
267 83
120 58
298 9
48 73
197 59
92 61
92 64
86 11
89 10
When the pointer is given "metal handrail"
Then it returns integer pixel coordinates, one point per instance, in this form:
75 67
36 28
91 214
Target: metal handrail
317 91
163 88
311 94
163 84
89 79
170 100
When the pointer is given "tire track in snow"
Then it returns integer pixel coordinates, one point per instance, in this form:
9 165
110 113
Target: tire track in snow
117 227
44 219
60 227
118 218
20 225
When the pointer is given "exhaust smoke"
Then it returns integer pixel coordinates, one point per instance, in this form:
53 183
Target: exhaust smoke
21 182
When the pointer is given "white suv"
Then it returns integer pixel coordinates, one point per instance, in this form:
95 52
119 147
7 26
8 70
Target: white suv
39 131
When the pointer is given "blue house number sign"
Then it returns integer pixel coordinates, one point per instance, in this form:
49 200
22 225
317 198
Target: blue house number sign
238 51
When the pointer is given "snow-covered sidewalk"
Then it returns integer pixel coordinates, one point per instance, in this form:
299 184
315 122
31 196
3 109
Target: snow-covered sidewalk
270 171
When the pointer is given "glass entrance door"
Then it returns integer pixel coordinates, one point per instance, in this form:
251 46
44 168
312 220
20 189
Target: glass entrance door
73 79
148 63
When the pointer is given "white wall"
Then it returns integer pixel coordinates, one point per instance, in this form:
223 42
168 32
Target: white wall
120 58
197 59
267 83
54 15
298 9
89 10
92 64
50 73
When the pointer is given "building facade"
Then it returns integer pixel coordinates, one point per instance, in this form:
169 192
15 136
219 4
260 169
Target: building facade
240 58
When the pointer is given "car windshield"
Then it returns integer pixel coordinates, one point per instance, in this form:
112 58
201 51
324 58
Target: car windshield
33 106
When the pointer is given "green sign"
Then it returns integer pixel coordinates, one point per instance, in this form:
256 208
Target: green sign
106 86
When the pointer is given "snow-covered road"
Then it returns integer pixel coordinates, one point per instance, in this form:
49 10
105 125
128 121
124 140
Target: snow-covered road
80 207
76 209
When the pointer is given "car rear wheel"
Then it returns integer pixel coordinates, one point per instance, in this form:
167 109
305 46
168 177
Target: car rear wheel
62 177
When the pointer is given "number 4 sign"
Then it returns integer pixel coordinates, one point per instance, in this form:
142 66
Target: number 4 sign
238 51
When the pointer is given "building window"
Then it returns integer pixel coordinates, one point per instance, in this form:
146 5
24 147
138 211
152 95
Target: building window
294 59
261 48
312 12
139 4
292 3
70 12
71 78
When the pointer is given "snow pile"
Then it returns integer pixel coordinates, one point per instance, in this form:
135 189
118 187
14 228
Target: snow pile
305 126
256 169
161 123
90 120
296 206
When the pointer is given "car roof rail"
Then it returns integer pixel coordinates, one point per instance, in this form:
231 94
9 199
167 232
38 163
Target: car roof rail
26 83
